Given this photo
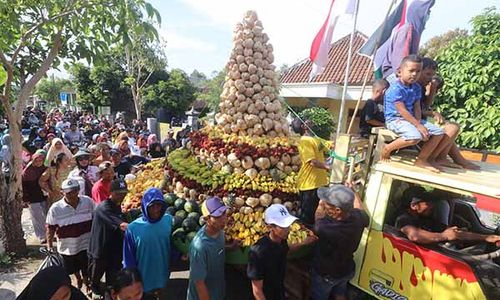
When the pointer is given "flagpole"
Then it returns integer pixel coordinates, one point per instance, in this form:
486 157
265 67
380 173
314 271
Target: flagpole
368 71
347 69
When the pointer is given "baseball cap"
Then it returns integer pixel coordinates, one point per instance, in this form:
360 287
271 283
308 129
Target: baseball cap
214 207
277 214
69 185
114 151
105 165
119 186
338 195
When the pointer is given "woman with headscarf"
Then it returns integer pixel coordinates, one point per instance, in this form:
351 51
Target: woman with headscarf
51 180
52 283
56 147
152 138
33 195
142 142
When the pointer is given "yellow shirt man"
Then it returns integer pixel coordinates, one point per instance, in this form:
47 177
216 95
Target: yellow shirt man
309 177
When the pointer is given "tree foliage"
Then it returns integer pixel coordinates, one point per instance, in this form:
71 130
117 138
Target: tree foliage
471 70
37 35
432 47
211 90
322 120
49 89
176 94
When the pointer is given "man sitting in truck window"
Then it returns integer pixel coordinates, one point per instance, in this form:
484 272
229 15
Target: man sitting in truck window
418 224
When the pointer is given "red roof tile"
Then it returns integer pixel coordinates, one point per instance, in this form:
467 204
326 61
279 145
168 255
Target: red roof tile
335 68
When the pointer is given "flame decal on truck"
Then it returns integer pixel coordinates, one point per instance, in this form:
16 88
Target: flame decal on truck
408 270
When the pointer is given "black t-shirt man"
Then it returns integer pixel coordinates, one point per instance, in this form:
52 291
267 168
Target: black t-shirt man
338 239
418 221
267 262
122 169
371 111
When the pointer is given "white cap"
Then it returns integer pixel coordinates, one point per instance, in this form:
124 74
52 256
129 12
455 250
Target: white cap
70 184
277 214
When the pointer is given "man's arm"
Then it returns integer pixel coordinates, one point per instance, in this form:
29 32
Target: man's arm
318 164
422 236
472 236
129 251
202 290
257 289
51 231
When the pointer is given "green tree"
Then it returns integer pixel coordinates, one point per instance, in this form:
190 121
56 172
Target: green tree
322 120
36 35
176 94
198 79
471 71
212 90
432 47
48 89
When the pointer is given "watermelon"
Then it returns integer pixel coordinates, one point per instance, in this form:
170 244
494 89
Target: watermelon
179 234
177 222
179 203
171 210
170 198
190 236
181 214
191 206
189 224
194 215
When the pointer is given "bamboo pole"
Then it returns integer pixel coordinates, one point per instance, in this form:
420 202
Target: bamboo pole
369 70
347 69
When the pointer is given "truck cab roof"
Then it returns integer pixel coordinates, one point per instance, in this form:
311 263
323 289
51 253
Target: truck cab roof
485 181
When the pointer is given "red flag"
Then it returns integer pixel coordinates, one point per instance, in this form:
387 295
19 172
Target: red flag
323 40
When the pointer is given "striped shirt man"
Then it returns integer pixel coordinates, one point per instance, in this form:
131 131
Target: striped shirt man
72 225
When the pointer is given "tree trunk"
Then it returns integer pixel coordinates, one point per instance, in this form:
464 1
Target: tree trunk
137 102
11 207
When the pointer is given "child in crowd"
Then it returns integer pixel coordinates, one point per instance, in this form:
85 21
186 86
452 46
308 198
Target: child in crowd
403 115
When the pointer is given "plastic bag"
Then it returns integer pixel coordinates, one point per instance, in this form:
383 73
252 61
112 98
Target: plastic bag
53 259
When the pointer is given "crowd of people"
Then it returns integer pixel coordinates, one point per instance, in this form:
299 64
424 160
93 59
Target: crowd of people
74 166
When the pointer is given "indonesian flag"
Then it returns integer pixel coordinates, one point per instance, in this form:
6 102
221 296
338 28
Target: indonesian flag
323 40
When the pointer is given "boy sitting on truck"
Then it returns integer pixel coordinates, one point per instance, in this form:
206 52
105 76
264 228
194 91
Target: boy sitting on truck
403 115
430 85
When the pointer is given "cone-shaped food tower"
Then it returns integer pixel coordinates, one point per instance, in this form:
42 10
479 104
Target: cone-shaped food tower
249 157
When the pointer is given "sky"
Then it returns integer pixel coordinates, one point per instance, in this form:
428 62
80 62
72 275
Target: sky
198 33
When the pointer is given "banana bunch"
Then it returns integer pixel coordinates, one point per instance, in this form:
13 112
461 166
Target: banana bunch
248 228
298 234
184 163
150 176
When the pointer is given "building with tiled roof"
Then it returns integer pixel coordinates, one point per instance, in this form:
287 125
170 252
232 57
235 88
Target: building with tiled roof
325 90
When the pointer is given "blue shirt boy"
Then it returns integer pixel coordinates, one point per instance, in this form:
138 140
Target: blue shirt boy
398 92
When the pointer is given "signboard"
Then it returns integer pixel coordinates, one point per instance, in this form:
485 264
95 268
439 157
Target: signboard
64 98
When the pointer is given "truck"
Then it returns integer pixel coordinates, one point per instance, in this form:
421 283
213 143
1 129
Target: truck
388 264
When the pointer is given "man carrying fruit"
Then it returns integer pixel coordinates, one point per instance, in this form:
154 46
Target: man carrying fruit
340 220
313 172
267 257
